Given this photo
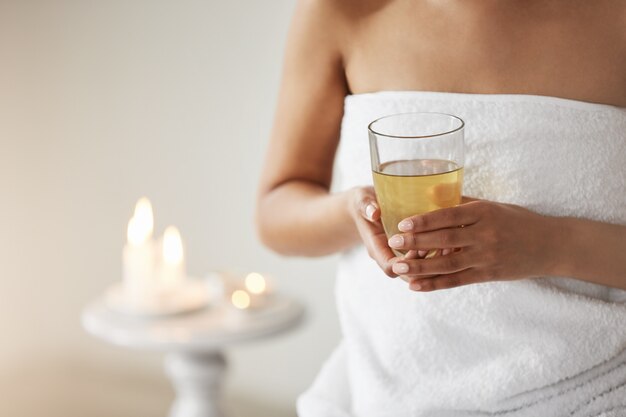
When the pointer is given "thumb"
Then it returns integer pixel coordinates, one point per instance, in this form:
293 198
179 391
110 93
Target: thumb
368 207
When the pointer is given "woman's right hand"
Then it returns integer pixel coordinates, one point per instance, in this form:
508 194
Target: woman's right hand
365 212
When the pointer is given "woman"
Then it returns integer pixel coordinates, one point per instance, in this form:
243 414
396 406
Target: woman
526 316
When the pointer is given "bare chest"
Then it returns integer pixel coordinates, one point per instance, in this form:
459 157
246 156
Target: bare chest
578 53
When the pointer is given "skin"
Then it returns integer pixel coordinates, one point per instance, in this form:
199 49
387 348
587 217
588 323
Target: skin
572 49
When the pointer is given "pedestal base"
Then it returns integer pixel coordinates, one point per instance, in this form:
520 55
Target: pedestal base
197 380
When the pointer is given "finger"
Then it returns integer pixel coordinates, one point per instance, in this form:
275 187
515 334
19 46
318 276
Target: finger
368 207
462 215
372 212
442 282
375 241
449 264
409 279
439 239
367 204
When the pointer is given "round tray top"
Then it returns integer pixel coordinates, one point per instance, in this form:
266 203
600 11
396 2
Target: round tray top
214 327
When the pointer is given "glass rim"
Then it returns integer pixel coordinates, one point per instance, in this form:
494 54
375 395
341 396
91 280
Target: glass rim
371 129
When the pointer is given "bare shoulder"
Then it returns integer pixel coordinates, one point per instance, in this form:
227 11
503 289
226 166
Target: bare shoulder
337 18
316 23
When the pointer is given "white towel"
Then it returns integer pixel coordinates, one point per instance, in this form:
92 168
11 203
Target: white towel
544 347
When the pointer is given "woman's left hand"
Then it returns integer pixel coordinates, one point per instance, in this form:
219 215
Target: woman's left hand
489 241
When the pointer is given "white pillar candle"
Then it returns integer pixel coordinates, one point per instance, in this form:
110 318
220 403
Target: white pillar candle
172 268
138 255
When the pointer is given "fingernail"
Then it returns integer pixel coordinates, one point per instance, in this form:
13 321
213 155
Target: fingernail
446 251
400 268
422 253
405 225
415 286
369 211
396 241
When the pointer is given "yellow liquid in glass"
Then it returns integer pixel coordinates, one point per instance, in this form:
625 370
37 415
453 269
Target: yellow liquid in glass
409 187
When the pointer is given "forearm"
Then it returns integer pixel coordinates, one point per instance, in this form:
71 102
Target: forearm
591 251
303 219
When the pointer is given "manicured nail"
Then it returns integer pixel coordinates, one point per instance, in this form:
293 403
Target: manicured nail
446 251
400 268
405 225
396 241
369 211
415 286
422 253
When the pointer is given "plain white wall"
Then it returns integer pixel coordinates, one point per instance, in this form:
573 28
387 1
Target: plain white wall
102 102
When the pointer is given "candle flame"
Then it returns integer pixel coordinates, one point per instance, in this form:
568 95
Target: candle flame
240 299
141 225
255 283
172 246
143 213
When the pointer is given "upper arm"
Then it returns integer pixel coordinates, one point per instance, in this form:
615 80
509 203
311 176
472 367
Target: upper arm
308 117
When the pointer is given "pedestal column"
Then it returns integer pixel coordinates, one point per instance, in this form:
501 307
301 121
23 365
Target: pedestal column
197 378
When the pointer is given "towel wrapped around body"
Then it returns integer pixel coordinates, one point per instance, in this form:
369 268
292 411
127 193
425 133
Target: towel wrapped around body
546 347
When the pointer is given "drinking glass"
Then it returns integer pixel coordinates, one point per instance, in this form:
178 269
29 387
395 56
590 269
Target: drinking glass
417 164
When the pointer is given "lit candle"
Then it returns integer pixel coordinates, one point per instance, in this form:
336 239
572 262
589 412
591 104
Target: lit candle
240 299
258 288
172 268
255 283
138 254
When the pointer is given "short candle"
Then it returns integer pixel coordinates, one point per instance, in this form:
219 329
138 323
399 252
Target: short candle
240 299
172 267
255 283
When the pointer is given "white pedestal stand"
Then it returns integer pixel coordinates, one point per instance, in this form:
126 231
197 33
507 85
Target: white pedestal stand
196 378
194 344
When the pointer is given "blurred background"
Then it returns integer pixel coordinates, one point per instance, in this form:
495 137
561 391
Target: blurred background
102 102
